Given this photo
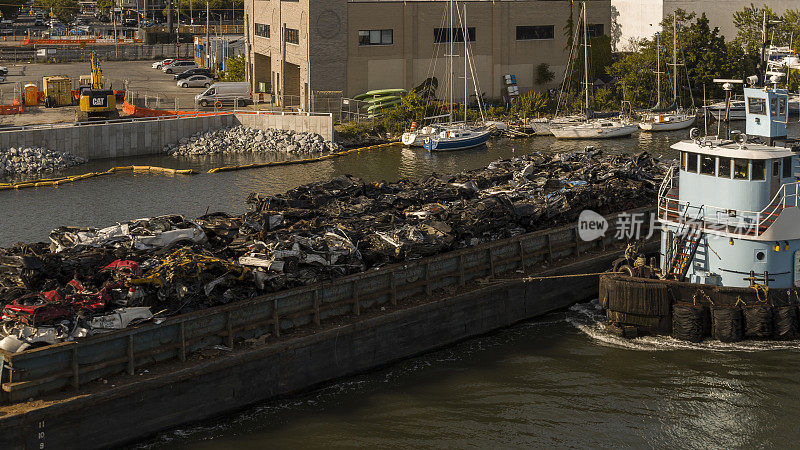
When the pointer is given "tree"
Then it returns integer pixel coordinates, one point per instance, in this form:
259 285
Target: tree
427 89
64 10
701 48
543 74
105 5
749 23
569 27
235 69
10 9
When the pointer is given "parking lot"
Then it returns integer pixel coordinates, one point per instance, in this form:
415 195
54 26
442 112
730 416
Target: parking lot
136 76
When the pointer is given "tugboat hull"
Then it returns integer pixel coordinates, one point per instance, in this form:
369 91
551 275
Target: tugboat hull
636 306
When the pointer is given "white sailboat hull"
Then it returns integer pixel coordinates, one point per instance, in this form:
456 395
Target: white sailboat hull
584 131
668 125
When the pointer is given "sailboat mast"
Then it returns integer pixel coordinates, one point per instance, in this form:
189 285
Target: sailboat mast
586 58
452 77
658 71
464 31
674 58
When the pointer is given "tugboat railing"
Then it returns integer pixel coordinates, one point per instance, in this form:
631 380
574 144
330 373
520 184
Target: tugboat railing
726 220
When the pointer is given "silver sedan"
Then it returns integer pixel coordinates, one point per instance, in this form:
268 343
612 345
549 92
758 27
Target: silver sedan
196 81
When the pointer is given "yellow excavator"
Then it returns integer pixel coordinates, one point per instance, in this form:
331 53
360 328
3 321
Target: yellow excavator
95 102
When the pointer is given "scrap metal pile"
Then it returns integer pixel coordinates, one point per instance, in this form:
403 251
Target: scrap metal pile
90 280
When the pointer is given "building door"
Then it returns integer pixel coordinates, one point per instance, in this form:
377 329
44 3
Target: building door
775 179
797 268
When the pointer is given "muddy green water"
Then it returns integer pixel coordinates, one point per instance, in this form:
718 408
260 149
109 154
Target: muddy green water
30 214
553 382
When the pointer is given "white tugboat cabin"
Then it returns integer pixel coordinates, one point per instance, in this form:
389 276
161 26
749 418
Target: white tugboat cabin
729 212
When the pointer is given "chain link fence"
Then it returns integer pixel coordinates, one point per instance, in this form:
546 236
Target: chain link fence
129 52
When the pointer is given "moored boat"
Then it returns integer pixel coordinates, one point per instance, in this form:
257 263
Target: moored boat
728 264
667 122
457 138
594 129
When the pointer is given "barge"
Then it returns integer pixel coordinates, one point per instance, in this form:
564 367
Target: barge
151 377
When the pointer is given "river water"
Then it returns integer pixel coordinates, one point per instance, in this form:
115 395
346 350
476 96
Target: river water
557 381
30 214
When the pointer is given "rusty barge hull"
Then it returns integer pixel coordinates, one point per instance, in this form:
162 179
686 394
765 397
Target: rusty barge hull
304 337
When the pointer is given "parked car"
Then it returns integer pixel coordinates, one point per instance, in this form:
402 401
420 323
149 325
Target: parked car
226 92
179 67
196 81
159 64
190 72
3 70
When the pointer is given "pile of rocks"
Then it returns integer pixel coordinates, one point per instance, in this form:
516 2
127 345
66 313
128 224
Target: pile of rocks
241 139
17 160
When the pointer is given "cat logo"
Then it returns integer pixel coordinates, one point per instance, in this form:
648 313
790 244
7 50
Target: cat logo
99 101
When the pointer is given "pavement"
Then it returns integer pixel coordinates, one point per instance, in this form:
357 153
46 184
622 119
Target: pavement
139 75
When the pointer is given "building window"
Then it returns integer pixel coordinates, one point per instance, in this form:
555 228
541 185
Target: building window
759 167
691 162
441 35
529 33
757 106
375 37
739 169
595 30
707 165
292 36
262 30
724 170
787 167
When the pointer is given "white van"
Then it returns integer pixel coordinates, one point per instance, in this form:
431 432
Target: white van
230 92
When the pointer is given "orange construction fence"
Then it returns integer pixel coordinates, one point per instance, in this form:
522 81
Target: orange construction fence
11 109
138 111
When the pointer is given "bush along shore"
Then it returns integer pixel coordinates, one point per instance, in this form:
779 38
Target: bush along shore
88 280
17 160
241 139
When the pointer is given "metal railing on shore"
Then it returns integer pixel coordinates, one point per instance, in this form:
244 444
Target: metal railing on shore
31 373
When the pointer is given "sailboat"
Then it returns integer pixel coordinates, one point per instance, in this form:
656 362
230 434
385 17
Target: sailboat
596 128
668 120
461 136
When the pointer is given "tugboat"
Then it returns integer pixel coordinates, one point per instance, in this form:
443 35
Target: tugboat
730 236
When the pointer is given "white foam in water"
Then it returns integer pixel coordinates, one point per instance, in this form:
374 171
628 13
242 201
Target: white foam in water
588 318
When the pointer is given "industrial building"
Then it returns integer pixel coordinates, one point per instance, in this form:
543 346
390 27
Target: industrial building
352 46
638 19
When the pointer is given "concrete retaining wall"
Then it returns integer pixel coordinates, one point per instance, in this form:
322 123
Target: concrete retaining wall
208 388
320 124
147 137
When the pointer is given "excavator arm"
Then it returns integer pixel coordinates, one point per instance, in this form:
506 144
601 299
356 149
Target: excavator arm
97 73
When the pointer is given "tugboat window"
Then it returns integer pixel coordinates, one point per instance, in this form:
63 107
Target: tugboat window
760 256
724 167
773 106
776 167
787 167
691 162
707 165
759 167
740 169
683 160
782 108
757 106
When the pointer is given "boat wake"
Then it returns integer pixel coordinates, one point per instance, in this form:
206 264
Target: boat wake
589 319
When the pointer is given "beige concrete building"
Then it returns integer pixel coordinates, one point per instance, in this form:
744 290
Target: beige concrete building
637 19
354 46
